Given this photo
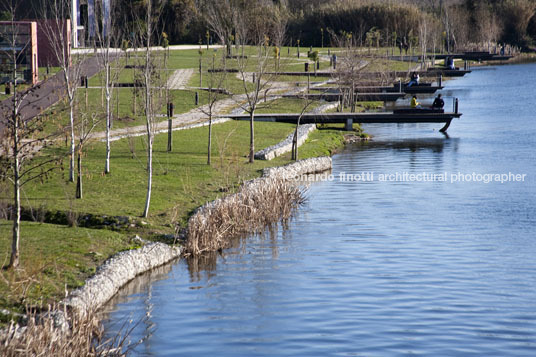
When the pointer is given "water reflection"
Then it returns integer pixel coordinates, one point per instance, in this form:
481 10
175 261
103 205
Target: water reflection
378 268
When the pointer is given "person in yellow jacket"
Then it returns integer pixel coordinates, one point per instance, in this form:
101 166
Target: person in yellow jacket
414 103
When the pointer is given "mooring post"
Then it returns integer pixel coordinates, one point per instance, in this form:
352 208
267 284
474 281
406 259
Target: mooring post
170 108
196 98
349 124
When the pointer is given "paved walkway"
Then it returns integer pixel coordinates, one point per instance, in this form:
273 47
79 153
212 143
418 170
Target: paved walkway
46 94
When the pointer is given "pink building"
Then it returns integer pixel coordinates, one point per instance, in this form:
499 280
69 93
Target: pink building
48 29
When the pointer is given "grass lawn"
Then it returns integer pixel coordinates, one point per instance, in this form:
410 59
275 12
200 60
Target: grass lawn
52 258
55 256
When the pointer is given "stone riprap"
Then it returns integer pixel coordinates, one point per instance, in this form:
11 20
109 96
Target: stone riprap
118 271
285 146
303 167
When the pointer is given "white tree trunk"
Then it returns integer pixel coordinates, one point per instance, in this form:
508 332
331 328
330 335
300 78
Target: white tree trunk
108 120
71 117
252 136
15 244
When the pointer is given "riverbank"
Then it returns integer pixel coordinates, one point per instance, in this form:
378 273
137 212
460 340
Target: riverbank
57 257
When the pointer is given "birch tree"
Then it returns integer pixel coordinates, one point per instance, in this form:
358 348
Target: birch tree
216 91
58 30
108 39
147 31
21 137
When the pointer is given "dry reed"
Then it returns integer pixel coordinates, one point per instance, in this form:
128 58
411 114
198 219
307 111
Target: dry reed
60 333
259 203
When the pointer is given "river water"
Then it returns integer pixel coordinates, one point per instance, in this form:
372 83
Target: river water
441 263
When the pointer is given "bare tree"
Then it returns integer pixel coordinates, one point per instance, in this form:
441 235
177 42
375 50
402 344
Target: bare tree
58 31
306 103
216 91
255 69
85 127
107 40
20 137
147 31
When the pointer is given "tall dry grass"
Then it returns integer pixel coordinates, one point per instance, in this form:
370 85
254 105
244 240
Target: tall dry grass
59 333
259 203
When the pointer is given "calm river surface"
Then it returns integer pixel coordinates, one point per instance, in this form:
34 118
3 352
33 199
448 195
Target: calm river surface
378 268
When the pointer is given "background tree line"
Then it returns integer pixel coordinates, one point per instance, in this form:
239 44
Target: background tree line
462 21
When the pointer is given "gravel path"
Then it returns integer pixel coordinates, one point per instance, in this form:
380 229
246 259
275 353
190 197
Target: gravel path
180 78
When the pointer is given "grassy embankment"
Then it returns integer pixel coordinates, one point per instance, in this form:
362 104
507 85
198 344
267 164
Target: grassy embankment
55 257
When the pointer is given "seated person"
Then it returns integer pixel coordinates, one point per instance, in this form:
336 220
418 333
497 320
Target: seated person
438 102
414 79
415 104
450 63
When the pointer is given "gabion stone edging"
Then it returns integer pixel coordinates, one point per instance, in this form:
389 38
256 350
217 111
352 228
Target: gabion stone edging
299 168
116 272
285 146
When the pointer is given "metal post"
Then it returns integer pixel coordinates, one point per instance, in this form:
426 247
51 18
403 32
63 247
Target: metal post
170 135
349 124
196 98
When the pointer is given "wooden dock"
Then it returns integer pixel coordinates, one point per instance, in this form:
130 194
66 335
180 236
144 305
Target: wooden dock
377 75
415 89
359 97
397 117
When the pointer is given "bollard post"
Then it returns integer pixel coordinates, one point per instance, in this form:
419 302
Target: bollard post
349 124
170 109
196 98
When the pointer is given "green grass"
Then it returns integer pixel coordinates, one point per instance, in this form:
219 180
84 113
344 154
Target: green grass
287 105
182 180
52 258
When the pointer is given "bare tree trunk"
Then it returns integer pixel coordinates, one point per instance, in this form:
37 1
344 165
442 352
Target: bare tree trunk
108 120
251 136
79 192
71 118
209 138
15 245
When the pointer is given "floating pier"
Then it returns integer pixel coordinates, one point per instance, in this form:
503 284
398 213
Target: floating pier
359 97
398 117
